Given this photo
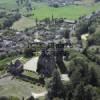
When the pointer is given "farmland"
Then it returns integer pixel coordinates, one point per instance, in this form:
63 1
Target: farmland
42 10
69 12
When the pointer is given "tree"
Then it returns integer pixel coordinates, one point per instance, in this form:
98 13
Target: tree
9 98
18 3
79 70
79 92
28 5
93 77
47 20
69 90
55 5
82 27
67 34
91 29
76 77
36 21
84 92
90 93
56 87
16 68
97 0
7 23
28 52
94 39
31 98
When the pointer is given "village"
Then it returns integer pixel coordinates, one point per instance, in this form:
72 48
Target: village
45 32
49 41
62 3
48 51
41 39
20 40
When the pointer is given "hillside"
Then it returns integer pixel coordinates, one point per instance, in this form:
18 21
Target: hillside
49 50
40 10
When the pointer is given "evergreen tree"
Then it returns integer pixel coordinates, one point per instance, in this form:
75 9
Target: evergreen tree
93 77
56 87
79 92
90 93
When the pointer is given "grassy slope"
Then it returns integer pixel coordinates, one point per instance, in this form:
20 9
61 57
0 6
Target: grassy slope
18 88
23 23
43 11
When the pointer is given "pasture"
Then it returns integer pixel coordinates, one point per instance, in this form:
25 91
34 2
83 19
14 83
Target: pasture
69 12
42 10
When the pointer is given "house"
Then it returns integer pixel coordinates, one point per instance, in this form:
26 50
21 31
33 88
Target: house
69 21
15 68
78 2
60 2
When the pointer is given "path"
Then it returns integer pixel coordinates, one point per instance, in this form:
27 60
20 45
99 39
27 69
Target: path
37 95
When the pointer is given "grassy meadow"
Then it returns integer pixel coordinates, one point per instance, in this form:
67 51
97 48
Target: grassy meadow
69 12
23 23
43 10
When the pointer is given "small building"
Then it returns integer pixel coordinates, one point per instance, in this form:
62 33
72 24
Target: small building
69 21
15 68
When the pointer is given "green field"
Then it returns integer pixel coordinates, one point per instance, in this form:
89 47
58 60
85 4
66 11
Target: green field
43 11
69 12
8 4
